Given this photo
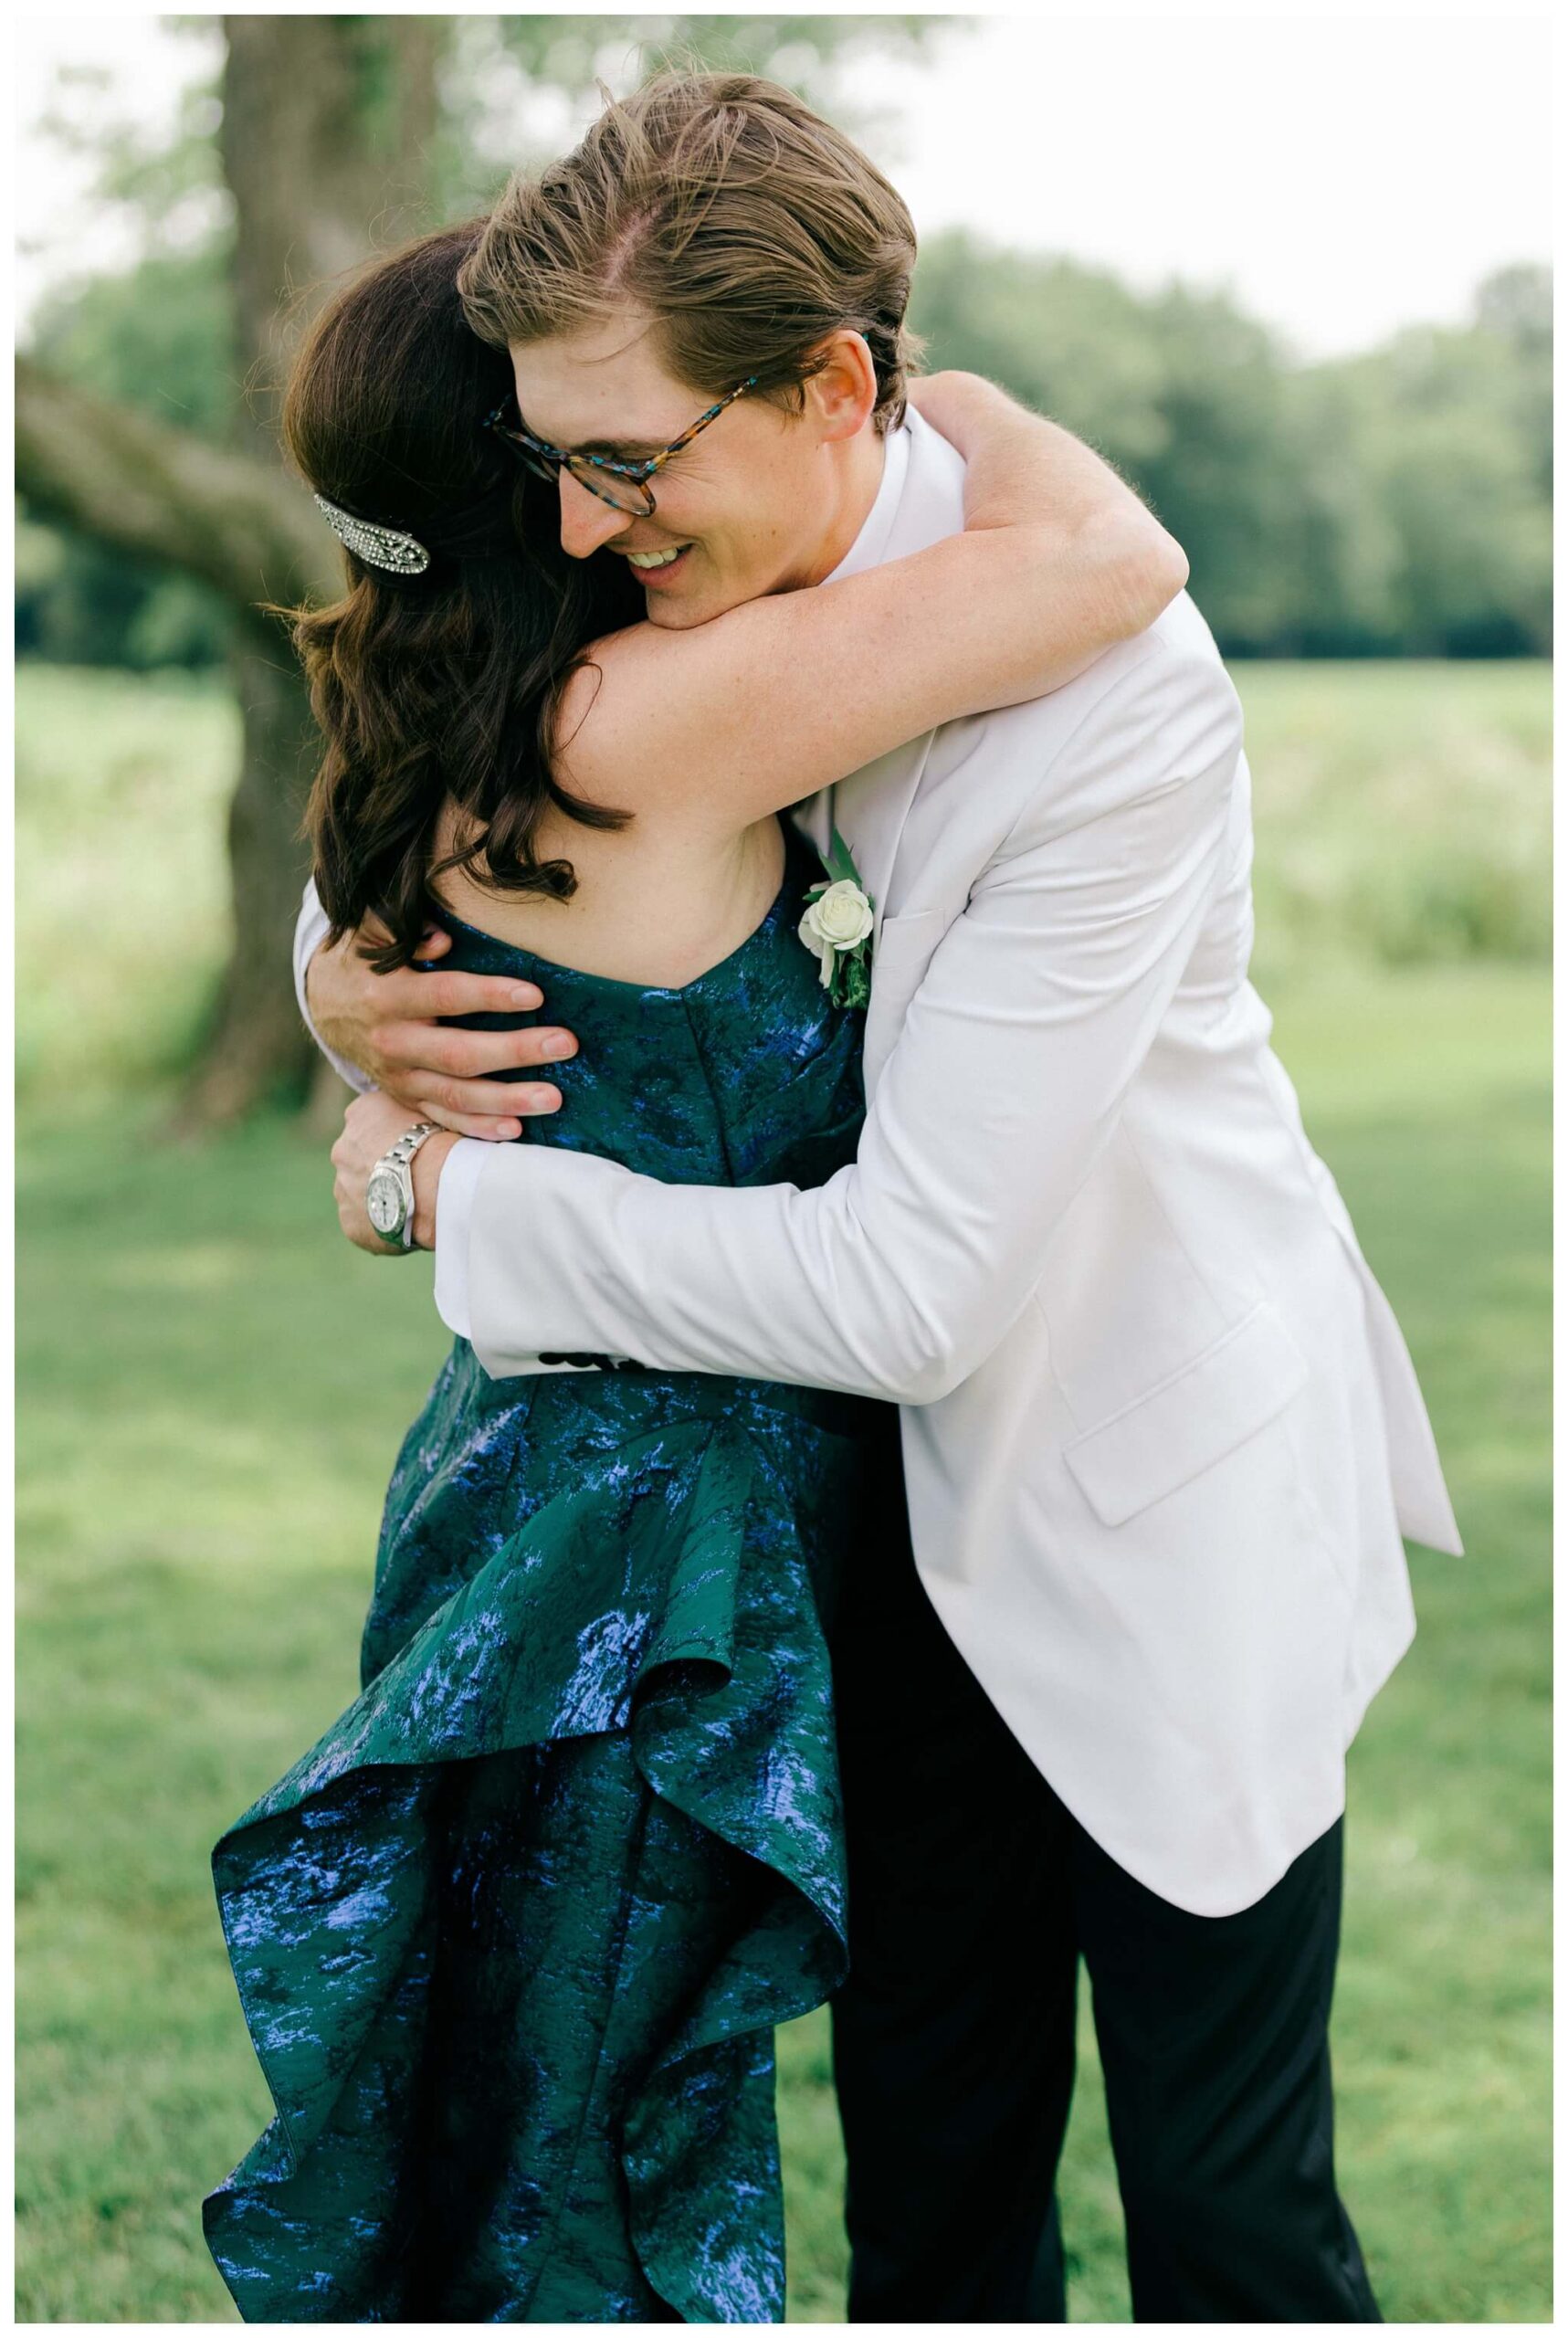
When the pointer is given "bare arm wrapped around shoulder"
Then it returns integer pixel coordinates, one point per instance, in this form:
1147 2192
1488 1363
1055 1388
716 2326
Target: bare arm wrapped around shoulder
1058 561
1106 548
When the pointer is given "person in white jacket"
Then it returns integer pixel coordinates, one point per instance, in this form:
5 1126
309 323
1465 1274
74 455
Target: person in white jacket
1161 1433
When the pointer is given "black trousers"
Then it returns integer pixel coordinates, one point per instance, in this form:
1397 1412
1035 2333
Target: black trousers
973 1895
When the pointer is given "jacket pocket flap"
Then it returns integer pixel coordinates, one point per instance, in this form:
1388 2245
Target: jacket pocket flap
1184 1425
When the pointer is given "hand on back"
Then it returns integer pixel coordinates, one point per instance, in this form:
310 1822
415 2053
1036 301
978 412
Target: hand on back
389 1026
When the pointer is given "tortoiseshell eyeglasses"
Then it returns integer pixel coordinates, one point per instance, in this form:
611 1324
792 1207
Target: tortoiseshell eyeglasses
623 485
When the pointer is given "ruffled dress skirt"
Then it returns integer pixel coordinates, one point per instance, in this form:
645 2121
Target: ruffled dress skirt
512 1937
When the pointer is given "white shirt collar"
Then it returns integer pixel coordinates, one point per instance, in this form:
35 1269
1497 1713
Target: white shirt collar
871 544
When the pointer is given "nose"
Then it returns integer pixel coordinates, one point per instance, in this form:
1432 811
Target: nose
587 520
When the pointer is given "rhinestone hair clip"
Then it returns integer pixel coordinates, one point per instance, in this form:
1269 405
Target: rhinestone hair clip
377 546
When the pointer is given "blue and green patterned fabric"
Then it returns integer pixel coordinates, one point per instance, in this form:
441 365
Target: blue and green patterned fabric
512 1937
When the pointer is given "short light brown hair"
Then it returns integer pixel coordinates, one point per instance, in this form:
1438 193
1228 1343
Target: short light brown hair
747 226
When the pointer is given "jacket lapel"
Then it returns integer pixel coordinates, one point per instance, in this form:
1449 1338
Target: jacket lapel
872 807
920 502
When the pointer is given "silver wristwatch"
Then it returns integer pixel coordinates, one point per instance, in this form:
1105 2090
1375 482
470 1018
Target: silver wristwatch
389 1195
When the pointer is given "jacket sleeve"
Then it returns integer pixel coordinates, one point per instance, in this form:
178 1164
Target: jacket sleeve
310 932
899 1276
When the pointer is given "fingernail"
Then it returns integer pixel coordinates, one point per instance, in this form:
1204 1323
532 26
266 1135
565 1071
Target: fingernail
543 1099
551 1048
525 995
510 1128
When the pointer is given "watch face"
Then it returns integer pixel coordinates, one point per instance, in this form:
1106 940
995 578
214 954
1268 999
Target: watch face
384 1200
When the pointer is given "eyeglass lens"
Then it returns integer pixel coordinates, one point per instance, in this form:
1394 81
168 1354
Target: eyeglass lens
626 495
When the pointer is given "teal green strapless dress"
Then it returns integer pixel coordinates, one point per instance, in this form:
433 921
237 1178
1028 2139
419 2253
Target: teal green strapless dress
512 1937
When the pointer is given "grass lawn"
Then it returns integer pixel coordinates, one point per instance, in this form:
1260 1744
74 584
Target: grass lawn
204 1445
1403 811
212 1387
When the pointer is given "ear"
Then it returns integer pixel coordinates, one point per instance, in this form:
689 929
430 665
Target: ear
842 398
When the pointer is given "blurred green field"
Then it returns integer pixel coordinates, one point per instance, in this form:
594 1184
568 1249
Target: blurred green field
212 1387
1402 815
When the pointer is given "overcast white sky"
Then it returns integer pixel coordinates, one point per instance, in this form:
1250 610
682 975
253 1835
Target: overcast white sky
1342 174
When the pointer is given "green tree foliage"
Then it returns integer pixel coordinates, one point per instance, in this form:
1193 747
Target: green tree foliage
1457 449
1395 503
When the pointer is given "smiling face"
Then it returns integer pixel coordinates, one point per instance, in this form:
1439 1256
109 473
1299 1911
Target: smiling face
762 502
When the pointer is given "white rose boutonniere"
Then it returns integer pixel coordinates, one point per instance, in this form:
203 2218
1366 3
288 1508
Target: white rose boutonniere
837 926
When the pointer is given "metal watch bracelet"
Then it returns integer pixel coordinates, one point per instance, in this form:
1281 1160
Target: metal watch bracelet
389 1190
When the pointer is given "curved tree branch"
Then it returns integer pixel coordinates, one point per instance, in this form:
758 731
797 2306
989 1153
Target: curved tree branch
238 522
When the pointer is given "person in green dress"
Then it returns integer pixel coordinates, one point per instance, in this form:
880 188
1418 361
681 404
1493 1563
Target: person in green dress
512 1937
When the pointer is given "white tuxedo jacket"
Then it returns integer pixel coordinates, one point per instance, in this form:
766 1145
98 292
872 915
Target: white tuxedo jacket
1161 1430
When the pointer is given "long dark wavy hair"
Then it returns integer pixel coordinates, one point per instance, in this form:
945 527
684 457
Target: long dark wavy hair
445 684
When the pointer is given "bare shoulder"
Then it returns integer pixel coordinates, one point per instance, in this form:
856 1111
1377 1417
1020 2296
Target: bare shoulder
648 673
642 718
613 658
596 718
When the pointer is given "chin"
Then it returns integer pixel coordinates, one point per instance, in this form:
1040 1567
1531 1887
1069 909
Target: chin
677 611
676 616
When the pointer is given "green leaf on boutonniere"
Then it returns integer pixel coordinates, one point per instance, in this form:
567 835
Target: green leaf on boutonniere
839 862
852 977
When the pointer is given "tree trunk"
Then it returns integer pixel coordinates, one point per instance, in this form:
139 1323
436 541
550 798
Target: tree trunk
257 1051
326 128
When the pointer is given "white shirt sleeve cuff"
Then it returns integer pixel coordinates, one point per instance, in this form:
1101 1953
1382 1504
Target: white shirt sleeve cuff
454 1217
310 932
